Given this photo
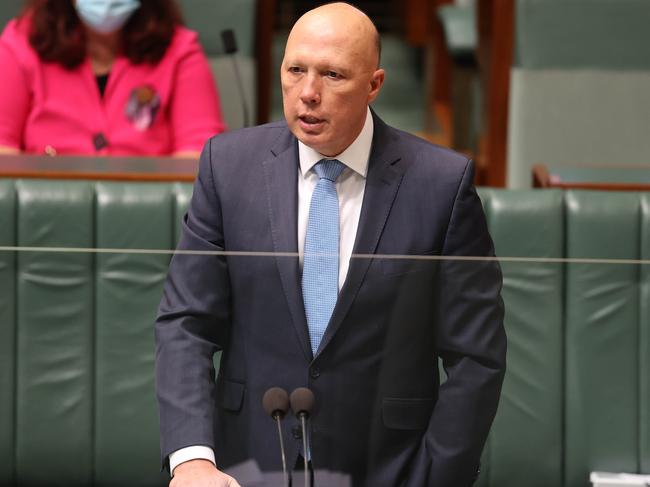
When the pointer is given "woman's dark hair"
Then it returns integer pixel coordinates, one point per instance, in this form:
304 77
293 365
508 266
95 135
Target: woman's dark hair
57 34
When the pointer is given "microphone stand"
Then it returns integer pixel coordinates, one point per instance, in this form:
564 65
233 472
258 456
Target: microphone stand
276 403
303 423
230 47
302 403
240 86
284 459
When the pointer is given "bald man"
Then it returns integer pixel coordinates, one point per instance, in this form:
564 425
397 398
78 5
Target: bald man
335 201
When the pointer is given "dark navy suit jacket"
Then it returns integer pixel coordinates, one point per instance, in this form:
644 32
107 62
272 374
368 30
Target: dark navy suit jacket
381 412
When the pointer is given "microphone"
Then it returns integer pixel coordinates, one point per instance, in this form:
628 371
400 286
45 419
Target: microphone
229 41
302 402
276 404
230 47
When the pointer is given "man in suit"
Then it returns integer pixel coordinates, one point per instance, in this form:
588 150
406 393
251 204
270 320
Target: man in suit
303 278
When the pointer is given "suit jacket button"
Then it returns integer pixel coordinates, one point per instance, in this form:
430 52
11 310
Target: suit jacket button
296 431
314 372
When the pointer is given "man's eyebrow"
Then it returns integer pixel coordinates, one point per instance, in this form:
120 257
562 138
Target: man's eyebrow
337 69
321 65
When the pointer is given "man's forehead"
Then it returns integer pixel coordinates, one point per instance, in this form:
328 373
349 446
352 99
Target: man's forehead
324 36
318 51
334 26
326 48
352 35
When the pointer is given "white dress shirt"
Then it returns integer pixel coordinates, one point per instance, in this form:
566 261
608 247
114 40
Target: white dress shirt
350 187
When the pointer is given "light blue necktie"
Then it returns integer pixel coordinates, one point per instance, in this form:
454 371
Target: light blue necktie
320 272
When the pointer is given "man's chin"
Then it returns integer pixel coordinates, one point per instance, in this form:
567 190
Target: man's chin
315 141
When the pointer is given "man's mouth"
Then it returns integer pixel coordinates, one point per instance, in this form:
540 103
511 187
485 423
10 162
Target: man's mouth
310 119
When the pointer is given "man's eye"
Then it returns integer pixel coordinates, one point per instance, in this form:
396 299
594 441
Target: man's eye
332 74
295 69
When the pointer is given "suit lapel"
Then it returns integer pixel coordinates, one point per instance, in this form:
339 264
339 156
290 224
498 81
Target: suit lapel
281 176
383 180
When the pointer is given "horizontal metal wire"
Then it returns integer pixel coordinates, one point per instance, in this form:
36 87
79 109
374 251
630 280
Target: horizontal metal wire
232 253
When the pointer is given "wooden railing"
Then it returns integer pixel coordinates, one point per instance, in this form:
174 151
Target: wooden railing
495 55
165 169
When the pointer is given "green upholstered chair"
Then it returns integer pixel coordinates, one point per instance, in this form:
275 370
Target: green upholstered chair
576 397
77 405
578 89
525 445
459 25
401 100
8 10
209 18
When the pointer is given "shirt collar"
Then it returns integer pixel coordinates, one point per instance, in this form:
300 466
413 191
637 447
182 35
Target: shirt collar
355 156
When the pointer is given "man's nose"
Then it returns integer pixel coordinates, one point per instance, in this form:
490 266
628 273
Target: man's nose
310 93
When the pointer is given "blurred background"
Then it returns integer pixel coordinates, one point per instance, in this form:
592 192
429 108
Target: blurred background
562 84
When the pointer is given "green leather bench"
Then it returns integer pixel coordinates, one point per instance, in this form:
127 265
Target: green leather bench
77 402
576 396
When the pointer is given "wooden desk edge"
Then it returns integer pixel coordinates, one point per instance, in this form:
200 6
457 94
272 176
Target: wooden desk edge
602 186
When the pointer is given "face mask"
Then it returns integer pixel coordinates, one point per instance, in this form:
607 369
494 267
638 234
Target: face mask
106 16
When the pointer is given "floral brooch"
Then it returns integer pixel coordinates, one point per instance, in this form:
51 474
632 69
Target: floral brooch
142 107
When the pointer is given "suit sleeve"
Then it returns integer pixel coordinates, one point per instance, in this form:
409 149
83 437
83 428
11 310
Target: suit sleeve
472 344
193 321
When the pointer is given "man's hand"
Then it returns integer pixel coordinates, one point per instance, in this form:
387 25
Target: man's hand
201 473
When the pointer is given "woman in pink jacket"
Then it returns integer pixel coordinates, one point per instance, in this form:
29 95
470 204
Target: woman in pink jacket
104 77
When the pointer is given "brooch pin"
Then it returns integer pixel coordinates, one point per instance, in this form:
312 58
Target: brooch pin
142 107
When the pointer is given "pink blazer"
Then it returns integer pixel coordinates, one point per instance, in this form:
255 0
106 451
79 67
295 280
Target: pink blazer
146 109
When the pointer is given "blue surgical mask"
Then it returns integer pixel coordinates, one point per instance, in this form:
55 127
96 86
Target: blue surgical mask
106 16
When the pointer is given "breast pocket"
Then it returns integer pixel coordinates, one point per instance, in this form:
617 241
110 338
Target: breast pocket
407 264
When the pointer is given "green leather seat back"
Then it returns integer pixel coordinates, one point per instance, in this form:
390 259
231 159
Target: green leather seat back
400 102
128 290
7 330
608 34
55 369
459 25
644 335
209 18
77 403
77 400
525 445
578 87
8 10
560 117
602 335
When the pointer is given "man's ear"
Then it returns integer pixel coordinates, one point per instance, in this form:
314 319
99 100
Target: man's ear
376 82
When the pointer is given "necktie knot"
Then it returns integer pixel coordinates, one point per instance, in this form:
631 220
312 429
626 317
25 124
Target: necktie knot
329 169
